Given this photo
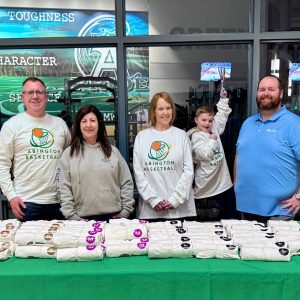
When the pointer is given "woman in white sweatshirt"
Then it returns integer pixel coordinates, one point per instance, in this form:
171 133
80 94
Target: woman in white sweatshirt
163 165
93 179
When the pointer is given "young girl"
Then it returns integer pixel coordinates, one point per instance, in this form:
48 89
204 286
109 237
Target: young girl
212 178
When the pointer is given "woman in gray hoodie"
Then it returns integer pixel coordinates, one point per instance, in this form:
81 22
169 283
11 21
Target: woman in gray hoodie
93 179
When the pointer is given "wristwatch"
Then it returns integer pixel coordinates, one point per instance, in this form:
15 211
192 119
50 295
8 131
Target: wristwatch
297 196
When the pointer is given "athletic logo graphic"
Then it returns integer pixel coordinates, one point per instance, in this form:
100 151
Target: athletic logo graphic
90 248
159 150
98 61
185 245
41 138
4 246
142 245
137 232
51 251
90 239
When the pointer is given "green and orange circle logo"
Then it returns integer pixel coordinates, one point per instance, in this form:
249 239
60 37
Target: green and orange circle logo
159 150
41 138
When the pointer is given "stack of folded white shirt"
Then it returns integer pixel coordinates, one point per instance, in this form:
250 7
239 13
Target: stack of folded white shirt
289 232
258 241
226 222
257 229
169 239
203 225
64 240
214 250
8 229
35 239
118 248
265 253
80 253
127 231
80 241
7 250
37 232
124 221
212 231
126 237
170 248
79 233
284 225
252 234
164 224
255 240
167 233
210 240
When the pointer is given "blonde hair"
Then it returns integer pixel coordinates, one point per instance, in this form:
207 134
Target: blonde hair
153 104
204 110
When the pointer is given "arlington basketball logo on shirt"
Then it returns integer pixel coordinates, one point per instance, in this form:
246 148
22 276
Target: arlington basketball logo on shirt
41 140
159 150
158 153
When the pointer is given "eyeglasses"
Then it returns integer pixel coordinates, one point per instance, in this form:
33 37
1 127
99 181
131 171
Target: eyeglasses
31 93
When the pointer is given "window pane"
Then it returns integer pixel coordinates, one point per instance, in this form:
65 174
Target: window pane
45 21
177 70
56 67
281 15
192 16
282 60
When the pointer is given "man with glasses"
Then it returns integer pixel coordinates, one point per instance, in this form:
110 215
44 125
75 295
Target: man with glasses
31 144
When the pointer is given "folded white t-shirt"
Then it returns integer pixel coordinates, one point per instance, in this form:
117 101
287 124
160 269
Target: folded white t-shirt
88 253
35 251
265 253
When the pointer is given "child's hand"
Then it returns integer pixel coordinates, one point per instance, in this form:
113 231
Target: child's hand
223 94
213 136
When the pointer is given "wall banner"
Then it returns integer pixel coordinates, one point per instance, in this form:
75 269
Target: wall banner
55 65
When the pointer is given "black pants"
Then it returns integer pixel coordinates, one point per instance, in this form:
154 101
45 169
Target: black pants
215 208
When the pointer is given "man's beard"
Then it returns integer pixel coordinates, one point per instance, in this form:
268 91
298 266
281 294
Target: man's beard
273 103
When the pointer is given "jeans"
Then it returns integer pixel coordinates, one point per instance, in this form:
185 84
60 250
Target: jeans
48 212
104 217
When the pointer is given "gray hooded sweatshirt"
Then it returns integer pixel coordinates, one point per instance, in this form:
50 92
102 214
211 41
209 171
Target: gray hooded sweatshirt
92 184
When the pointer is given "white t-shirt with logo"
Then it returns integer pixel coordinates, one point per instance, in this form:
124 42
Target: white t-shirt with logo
163 169
29 150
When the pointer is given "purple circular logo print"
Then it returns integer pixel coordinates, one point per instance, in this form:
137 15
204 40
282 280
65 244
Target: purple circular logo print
143 221
98 229
90 248
96 224
90 239
142 245
92 232
137 232
144 240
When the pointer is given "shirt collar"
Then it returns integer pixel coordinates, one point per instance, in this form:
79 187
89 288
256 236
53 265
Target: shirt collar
274 117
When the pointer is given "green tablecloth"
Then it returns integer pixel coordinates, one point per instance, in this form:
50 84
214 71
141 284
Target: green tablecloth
144 278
